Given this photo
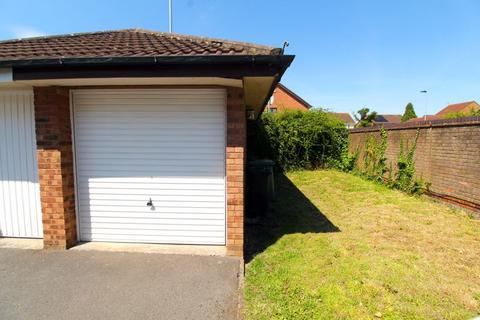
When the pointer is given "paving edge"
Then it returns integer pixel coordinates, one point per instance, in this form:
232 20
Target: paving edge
241 286
21 243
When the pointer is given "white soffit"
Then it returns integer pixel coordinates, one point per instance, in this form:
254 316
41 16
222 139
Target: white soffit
256 91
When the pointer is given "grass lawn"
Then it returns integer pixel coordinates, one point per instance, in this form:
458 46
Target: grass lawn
339 247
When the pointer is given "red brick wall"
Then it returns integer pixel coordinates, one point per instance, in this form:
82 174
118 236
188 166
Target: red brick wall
55 162
447 155
284 101
235 154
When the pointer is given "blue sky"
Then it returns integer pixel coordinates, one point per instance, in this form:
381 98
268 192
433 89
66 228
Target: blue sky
350 54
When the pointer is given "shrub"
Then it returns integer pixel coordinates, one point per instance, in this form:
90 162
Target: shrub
347 161
295 139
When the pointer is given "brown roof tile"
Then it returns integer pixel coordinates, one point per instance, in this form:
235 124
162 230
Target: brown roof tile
125 43
391 118
345 117
425 118
457 107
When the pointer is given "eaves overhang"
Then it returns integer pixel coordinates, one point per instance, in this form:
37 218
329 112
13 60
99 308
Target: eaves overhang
264 70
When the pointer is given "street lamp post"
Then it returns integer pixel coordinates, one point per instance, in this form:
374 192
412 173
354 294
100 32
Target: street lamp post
426 103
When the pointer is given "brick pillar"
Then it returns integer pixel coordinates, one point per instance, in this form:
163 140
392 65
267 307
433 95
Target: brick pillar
55 163
235 154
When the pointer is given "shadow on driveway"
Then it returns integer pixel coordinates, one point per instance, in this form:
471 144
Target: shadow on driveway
291 212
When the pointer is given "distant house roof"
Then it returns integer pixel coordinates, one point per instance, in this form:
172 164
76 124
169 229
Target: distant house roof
343 116
295 96
455 107
425 118
458 107
390 118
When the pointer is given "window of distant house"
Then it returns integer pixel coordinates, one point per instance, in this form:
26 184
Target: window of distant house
273 110
272 99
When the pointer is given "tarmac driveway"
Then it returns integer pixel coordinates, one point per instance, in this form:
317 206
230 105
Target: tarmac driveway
37 284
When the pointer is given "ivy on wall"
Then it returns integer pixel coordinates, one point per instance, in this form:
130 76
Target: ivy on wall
374 158
399 175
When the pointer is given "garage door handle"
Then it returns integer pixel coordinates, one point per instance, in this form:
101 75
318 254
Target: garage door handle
150 203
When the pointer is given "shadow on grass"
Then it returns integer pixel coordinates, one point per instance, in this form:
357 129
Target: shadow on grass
291 212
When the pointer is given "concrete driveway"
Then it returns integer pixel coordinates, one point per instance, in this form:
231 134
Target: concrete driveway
37 284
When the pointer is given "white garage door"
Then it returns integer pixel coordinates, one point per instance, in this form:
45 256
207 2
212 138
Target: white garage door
150 165
20 212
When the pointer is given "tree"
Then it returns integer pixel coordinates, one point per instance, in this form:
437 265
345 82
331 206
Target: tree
365 118
409 113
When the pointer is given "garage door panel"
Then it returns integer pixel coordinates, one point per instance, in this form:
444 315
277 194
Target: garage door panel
145 129
149 239
136 145
159 140
101 193
88 156
146 132
153 227
20 213
213 138
172 171
139 198
127 205
160 188
186 214
193 98
113 152
180 161
197 141
154 219
138 181
149 118
154 233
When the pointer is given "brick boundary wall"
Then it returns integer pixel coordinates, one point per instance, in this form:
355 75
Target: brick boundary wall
55 166
56 172
235 167
447 155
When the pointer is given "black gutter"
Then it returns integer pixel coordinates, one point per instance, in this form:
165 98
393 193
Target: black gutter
235 67
146 60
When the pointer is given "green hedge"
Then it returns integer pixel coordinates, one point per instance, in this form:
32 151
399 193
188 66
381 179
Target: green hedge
295 139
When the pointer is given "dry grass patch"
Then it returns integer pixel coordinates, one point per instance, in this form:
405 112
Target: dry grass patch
342 247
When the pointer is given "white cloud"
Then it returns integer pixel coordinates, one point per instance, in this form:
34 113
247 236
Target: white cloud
22 31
